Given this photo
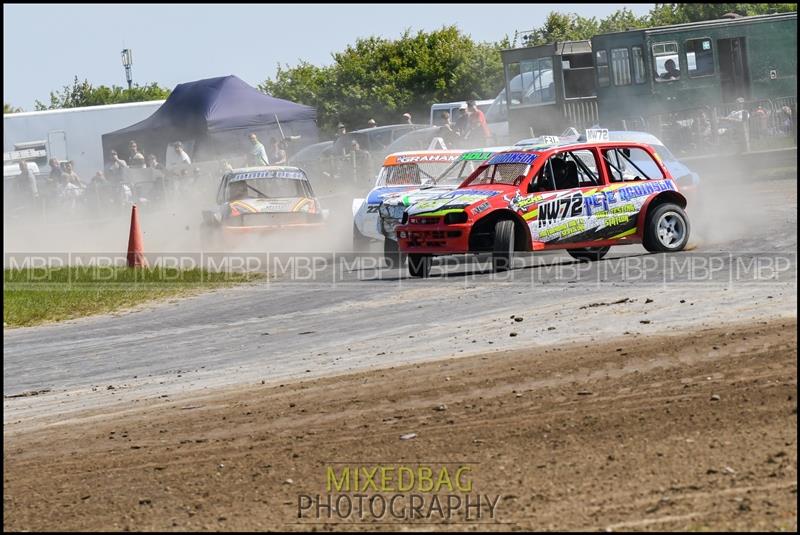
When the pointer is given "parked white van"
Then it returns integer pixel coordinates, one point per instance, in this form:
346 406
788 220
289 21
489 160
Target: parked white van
452 108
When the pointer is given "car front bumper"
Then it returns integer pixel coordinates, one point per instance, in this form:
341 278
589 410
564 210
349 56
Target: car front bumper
438 239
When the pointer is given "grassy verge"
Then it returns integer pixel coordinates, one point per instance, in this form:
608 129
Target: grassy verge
39 295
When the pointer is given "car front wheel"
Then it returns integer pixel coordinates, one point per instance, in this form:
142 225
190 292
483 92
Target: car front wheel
503 249
419 265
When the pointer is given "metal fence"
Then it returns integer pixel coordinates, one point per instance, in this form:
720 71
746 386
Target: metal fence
581 113
724 128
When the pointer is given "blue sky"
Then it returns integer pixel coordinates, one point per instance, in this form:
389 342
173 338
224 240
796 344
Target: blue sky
45 46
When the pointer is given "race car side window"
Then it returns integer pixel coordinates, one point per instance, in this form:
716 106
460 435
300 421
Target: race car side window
585 166
626 164
543 181
567 170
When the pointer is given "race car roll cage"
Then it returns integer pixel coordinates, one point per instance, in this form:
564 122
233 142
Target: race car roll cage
622 148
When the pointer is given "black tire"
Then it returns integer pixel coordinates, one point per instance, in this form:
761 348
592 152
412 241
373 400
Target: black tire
588 253
665 217
419 265
503 246
360 242
391 253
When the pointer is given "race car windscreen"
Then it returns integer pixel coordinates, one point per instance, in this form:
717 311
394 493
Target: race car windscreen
407 174
457 172
511 174
266 188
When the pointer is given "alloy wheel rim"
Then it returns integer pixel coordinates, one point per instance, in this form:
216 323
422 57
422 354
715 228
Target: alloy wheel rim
671 229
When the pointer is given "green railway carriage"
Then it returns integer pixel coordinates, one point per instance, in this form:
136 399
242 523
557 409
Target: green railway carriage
714 86
719 64
549 86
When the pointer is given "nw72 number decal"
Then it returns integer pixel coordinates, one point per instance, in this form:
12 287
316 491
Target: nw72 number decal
560 209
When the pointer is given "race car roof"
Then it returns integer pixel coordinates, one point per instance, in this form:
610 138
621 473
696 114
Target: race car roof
528 154
422 156
266 171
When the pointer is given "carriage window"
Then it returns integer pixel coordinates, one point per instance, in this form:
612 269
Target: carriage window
514 81
537 81
601 60
638 65
699 57
627 164
666 67
620 66
578 73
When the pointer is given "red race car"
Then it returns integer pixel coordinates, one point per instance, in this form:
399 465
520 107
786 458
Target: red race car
582 197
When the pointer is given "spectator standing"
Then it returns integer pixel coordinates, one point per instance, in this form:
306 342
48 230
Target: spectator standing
117 163
71 177
759 122
407 118
785 117
362 160
71 188
277 155
53 179
371 123
55 170
182 156
26 183
152 162
447 132
477 130
340 131
460 125
258 154
136 159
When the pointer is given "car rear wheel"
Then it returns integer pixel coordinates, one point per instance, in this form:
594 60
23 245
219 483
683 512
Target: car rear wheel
503 245
666 229
419 265
391 253
588 253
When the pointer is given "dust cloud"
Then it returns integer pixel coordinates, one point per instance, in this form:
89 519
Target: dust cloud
174 226
733 203
739 203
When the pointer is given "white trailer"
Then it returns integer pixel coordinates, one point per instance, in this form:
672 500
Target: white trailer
73 133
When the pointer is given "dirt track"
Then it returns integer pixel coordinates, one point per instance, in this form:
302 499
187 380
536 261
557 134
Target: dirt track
689 431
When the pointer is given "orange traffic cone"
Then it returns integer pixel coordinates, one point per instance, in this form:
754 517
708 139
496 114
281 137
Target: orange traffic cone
135 247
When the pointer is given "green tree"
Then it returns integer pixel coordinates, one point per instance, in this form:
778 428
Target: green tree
622 20
564 27
383 78
666 14
84 94
8 108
